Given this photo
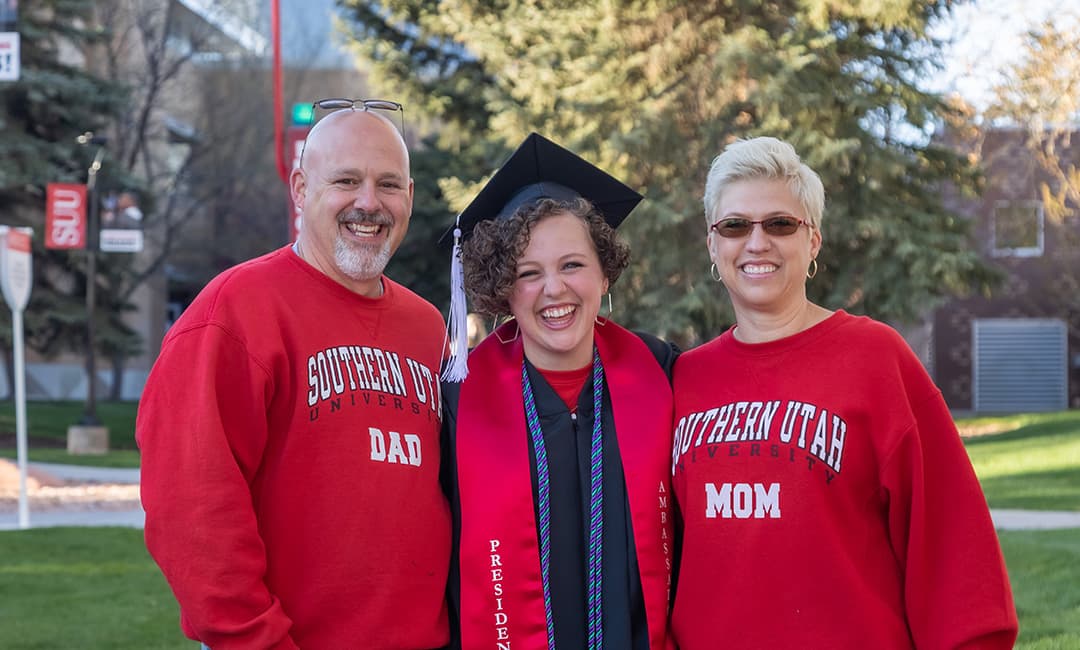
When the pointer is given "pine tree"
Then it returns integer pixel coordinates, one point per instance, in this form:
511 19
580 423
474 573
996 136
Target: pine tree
653 90
41 115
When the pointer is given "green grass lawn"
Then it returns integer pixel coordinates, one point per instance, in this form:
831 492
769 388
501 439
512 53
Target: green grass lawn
1044 568
46 428
94 588
84 588
1028 461
1033 461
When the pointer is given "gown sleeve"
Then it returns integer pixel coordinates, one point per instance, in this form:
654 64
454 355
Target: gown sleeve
665 352
451 392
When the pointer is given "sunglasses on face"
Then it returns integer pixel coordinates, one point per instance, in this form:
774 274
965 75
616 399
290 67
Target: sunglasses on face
779 226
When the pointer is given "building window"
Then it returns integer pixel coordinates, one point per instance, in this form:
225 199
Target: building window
1018 229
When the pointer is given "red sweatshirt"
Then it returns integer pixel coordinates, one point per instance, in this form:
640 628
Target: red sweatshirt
290 459
828 501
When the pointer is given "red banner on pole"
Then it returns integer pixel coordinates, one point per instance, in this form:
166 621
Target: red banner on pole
65 215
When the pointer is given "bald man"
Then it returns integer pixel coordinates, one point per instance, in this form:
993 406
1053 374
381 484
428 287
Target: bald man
289 429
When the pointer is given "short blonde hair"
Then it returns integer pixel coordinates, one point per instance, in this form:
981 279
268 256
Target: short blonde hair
768 158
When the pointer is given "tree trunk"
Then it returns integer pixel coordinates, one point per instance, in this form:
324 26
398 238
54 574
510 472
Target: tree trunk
117 388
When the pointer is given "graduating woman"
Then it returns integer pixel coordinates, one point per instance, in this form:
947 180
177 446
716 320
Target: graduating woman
557 443
826 497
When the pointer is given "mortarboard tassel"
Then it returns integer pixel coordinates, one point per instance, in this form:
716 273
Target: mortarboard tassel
457 366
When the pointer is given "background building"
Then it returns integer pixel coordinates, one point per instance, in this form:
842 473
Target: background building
1019 348
195 145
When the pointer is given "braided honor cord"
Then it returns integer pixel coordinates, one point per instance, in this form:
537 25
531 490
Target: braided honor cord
596 503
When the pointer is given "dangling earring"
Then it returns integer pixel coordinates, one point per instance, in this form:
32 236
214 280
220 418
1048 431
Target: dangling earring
715 273
596 319
517 330
812 271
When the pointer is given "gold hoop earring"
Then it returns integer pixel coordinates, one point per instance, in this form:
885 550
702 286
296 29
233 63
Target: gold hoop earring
812 271
517 331
715 273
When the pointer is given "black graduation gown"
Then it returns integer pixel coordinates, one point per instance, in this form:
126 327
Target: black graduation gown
567 440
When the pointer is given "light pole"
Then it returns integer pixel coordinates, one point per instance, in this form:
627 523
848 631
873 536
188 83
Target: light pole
89 417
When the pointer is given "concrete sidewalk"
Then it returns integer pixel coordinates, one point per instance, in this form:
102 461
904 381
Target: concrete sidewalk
1034 519
81 513
55 517
83 473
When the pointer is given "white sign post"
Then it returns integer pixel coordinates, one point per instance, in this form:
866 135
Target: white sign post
16 278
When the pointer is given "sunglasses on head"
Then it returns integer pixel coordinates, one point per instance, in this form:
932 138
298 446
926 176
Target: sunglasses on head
337 104
735 227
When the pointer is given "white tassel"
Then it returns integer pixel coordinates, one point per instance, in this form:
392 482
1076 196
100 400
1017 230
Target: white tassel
457 327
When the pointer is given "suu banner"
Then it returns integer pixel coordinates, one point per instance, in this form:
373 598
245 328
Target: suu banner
65 215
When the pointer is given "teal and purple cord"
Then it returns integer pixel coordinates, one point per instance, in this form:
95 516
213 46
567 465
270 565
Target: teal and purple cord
596 513
596 503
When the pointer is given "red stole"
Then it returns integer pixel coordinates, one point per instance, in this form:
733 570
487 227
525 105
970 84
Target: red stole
502 600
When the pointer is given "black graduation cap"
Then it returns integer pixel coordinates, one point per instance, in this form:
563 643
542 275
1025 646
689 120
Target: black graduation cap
541 169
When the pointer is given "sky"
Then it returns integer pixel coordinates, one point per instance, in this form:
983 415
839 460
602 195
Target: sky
307 34
987 36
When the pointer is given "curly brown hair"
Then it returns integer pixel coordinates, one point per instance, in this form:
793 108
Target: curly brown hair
489 256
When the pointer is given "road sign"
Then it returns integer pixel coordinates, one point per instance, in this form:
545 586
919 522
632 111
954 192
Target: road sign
9 56
121 224
16 277
15 273
121 240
